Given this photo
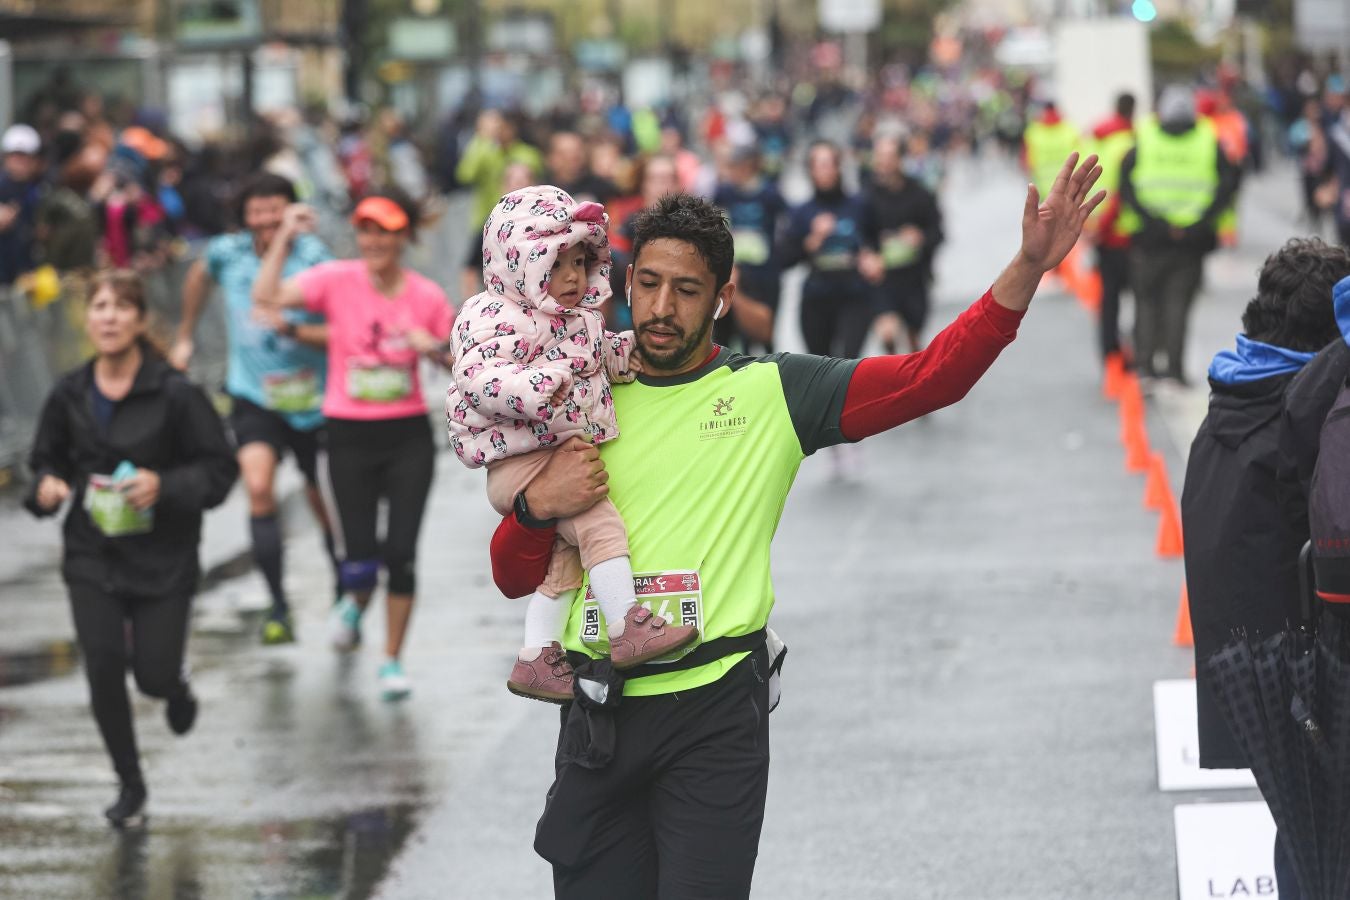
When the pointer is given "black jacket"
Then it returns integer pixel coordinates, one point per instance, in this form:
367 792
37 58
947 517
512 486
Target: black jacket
165 424
1241 562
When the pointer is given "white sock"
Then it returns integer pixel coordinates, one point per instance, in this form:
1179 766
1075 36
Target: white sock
612 582
545 618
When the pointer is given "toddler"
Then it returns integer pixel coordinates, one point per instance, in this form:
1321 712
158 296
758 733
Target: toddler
532 363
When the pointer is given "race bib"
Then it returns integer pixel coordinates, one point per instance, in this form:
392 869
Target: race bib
896 252
675 596
378 383
752 248
292 392
837 261
111 513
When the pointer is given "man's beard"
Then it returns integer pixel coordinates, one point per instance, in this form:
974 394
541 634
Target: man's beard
676 357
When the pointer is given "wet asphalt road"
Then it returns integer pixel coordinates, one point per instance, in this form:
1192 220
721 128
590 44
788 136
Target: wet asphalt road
975 619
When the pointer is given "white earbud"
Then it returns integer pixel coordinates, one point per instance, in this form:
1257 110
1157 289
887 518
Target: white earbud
717 313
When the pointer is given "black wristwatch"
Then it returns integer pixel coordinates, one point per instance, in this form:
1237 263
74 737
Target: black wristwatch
522 510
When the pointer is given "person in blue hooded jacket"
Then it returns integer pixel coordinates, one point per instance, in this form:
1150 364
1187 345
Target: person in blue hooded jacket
1241 553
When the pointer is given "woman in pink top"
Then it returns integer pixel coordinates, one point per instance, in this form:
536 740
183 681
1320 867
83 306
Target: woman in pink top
382 319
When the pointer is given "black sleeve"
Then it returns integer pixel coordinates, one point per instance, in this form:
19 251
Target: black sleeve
51 449
1230 176
869 226
790 248
1310 397
815 388
932 230
205 467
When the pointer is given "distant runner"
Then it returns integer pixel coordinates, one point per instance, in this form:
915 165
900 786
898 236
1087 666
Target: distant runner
140 453
383 319
276 376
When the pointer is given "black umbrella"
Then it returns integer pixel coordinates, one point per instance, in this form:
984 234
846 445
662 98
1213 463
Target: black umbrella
1286 698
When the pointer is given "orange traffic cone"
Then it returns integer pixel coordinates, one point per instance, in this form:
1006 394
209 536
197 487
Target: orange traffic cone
1157 489
1131 395
1136 449
1183 636
1113 376
1092 290
1170 543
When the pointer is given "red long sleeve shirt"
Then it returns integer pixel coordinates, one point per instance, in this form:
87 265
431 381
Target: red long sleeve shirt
884 392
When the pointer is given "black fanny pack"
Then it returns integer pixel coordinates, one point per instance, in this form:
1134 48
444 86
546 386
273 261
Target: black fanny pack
710 651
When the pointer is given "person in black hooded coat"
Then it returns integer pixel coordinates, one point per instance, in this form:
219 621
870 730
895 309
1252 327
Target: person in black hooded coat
140 453
1241 556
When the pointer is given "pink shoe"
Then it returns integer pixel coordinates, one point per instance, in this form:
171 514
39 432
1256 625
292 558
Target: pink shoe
647 636
547 677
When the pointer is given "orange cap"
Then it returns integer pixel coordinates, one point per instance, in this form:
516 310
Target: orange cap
382 211
143 142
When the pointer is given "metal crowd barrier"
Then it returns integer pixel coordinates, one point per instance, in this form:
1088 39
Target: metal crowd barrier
38 343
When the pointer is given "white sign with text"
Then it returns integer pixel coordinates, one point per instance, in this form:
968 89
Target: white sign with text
1178 742
1225 850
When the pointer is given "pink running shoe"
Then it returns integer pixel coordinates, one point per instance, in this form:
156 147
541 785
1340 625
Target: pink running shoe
547 677
647 636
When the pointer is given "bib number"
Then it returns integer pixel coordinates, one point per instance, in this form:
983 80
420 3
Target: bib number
378 384
292 392
675 596
751 248
111 513
896 252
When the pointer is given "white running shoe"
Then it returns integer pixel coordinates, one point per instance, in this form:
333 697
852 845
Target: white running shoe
344 624
394 685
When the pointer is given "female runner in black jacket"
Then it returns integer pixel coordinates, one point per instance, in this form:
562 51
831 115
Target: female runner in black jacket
130 544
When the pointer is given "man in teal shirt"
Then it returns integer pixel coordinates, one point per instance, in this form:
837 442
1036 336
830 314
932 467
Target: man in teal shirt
276 375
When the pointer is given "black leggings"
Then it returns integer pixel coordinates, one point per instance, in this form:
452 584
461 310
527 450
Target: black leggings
154 644
366 462
836 316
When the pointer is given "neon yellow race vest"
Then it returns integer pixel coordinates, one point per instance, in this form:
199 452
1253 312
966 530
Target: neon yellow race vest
1048 146
1175 177
700 474
1111 152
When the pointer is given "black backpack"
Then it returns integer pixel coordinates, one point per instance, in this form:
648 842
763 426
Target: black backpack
1329 505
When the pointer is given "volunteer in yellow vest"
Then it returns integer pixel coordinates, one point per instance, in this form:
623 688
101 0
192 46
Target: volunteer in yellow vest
1046 142
663 795
1174 185
1114 137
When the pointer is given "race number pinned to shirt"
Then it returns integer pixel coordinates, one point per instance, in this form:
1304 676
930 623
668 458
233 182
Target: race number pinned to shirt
111 513
675 596
897 250
292 392
751 247
377 382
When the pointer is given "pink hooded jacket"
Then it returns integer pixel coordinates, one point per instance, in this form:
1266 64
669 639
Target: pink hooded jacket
514 345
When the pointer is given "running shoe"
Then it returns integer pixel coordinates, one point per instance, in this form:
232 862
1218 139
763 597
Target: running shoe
278 630
129 810
345 624
547 677
647 636
181 711
394 685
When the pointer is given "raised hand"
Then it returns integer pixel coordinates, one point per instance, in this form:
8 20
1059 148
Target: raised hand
1051 228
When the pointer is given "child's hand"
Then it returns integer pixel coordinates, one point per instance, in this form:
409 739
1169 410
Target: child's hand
635 364
560 395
